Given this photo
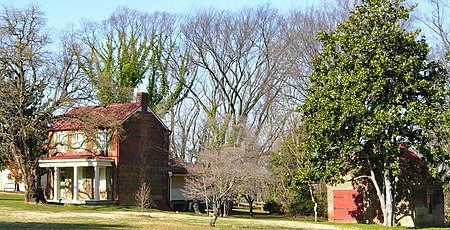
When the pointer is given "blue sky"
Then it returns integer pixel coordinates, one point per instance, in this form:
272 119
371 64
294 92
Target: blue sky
60 13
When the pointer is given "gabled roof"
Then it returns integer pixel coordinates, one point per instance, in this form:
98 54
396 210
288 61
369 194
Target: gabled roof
98 116
178 166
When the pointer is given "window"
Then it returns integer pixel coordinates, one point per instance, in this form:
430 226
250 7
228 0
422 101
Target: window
78 141
102 140
60 141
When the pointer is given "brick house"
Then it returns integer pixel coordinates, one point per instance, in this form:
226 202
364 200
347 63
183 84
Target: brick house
423 208
102 154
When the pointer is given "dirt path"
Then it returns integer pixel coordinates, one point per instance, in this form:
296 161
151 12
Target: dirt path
250 222
30 216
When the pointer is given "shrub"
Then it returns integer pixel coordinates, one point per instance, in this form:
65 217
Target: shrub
273 207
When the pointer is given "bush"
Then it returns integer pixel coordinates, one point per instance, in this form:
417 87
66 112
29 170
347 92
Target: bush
298 202
300 206
273 207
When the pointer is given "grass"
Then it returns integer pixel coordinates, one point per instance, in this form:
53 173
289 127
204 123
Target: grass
15 214
16 201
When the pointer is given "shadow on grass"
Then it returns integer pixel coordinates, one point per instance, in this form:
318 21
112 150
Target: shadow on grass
36 225
12 198
243 213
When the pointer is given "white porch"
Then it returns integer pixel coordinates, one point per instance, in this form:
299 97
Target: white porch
176 186
177 200
78 181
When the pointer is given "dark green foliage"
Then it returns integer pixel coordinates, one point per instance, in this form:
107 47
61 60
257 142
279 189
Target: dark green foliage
289 194
273 207
302 204
374 94
299 204
372 83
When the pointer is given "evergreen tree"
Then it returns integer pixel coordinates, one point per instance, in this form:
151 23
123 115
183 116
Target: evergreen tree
373 95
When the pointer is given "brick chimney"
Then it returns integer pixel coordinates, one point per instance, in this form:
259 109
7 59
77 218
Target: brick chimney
142 98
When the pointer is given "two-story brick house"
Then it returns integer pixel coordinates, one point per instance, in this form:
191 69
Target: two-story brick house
102 154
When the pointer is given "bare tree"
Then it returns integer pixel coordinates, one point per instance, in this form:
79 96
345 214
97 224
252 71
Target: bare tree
255 178
184 118
250 78
237 55
252 68
35 83
214 177
142 197
437 22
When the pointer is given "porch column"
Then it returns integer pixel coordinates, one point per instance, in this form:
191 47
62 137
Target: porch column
55 183
96 182
75 183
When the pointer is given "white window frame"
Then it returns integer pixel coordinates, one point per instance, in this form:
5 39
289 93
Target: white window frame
61 141
78 141
102 140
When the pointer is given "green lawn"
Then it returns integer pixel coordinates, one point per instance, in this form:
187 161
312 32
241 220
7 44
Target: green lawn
14 214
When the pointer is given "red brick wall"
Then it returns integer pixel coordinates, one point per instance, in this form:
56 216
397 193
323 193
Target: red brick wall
143 148
89 146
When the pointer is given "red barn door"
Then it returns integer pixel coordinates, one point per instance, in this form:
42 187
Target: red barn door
347 206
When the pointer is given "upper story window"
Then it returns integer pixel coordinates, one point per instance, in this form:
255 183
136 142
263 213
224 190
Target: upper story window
102 140
61 142
78 141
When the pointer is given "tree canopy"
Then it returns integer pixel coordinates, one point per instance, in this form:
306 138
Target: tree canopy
34 83
373 95
130 48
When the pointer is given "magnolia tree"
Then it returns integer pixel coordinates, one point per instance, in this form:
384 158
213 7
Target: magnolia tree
373 95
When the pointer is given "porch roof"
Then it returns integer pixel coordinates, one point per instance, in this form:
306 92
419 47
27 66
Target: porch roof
82 160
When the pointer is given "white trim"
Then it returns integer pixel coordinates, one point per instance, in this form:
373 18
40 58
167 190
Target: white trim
96 182
61 141
75 162
55 183
75 183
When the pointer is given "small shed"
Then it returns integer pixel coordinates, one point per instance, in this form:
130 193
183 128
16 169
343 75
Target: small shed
424 206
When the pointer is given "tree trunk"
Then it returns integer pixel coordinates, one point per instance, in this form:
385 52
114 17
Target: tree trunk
30 184
227 207
388 214
313 198
385 197
196 207
250 204
216 207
